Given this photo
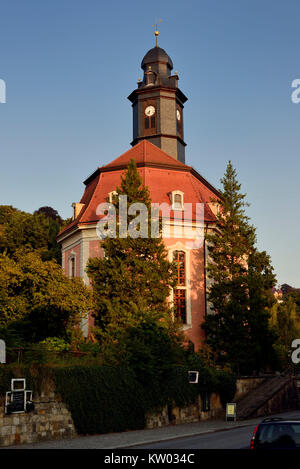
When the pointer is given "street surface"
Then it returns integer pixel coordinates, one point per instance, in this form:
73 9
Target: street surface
212 434
235 438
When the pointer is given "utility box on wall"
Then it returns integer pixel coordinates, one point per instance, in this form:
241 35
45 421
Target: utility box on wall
18 399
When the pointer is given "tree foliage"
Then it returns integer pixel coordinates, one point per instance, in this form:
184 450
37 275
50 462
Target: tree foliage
241 281
36 299
285 319
36 231
134 278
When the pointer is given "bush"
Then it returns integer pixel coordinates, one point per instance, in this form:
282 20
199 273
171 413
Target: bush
101 399
226 386
55 344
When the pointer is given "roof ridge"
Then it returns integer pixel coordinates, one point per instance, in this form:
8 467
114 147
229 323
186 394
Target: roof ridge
141 152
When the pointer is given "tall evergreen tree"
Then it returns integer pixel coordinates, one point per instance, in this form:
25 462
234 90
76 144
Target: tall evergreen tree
238 330
133 280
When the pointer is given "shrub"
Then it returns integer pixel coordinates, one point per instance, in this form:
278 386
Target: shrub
101 399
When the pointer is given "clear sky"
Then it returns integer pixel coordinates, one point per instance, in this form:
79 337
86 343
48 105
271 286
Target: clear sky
69 66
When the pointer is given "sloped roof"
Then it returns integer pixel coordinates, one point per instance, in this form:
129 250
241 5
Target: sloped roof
160 172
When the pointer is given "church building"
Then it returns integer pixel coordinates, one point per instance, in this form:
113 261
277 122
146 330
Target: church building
158 147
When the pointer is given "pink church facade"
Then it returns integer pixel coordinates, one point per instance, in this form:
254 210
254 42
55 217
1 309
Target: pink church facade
158 149
164 177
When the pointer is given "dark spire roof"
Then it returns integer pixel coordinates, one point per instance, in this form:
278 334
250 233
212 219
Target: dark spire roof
156 55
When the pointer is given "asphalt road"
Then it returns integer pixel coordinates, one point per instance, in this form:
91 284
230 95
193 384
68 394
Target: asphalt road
235 438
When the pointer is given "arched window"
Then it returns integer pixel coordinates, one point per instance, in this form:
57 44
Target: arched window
177 200
72 267
179 297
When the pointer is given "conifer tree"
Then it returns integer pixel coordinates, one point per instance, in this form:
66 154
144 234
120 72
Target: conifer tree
132 281
241 279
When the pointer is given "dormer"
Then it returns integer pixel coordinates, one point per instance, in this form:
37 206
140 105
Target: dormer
177 202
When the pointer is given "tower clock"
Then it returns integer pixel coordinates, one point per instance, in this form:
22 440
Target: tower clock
158 104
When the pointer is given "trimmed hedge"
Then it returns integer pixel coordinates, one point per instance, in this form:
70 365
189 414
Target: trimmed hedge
101 399
114 400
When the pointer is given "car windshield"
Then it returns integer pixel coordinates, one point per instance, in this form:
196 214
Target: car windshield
279 435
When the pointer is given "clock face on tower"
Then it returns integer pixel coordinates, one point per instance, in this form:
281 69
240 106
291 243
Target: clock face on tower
178 115
149 111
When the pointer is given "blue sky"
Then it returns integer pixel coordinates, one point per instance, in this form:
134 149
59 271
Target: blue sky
69 66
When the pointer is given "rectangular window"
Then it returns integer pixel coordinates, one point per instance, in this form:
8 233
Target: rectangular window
180 304
153 122
179 259
146 122
73 267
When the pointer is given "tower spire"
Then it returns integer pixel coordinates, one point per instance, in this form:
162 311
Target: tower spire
158 103
156 32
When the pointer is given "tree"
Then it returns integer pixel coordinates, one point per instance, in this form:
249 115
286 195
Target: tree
36 231
36 299
50 213
134 278
147 348
238 330
285 319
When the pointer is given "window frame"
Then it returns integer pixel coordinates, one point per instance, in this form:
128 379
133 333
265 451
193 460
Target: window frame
173 196
72 265
179 246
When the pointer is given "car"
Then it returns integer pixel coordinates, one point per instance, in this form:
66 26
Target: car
276 433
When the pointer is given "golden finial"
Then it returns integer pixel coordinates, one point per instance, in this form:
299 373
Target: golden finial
156 32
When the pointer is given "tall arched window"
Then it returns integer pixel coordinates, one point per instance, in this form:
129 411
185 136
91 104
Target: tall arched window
72 267
180 291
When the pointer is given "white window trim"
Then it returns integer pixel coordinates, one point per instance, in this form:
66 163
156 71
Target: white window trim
181 247
177 192
72 255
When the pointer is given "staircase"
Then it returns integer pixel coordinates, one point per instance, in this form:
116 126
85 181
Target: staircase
259 396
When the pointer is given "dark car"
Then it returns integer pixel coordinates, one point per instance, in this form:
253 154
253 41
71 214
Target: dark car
276 433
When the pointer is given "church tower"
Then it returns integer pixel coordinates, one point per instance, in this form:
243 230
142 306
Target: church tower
157 105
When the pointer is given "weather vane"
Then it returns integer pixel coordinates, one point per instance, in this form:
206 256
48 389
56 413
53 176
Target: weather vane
156 32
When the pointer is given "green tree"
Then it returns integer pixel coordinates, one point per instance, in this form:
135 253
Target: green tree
37 300
36 231
134 278
241 278
285 320
147 348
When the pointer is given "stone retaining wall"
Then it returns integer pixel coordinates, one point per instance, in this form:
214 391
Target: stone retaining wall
287 398
246 384
189 414
49 420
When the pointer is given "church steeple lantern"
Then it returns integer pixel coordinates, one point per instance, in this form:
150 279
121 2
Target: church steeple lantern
158 105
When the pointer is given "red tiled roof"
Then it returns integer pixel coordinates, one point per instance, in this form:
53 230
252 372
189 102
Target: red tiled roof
160 172
145 152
